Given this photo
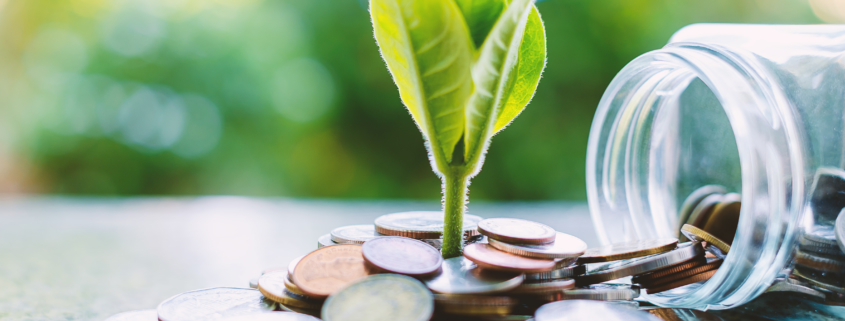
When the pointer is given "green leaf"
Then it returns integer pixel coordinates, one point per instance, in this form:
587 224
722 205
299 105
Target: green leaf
428 50
480 16
492 75
529 67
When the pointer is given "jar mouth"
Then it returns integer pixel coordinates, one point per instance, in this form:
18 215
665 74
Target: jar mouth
632 166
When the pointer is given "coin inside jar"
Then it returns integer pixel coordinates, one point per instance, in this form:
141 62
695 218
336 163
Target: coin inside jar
140 315
697 234
207 303
462 276
324 271
354 234
695 198
628 250
402 255
699 214
385 297
516 231
488 257
724 220
422 224
564 246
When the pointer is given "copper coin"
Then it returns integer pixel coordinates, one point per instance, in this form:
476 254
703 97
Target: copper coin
402 255
704 276
517 231
628 250
326 270
702 211
724 220
712 265
487 257
820 262
272 286
695 198
564 246
474 305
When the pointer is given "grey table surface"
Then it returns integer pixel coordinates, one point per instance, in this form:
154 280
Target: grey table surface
88 258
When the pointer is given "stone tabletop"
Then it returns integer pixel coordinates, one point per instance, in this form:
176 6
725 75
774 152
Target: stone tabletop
88 258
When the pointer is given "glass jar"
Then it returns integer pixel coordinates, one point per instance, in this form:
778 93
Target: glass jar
757 109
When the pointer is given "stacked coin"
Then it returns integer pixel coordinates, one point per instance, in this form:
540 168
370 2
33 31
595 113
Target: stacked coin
426 226
393 270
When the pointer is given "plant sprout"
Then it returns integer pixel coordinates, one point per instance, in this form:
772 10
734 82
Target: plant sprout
465 69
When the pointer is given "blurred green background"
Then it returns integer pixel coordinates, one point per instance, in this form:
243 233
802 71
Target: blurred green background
290 97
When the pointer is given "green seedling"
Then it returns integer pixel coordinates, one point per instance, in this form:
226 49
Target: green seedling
465 69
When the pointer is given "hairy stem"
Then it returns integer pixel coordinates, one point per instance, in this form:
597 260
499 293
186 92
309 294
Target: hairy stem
454 204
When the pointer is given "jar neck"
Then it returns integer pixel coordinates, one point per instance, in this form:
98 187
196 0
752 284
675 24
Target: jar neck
632 181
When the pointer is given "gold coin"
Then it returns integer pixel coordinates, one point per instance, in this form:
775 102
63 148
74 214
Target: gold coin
695 198
724 220
292 287
628 250
702 211
651 283
704 276
272 286
326 270
697 234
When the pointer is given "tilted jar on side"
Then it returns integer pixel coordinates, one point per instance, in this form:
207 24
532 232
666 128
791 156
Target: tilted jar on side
758 109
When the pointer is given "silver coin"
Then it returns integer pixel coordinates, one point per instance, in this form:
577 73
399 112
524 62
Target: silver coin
619 269
822 234
273 316
795 286
292 264
325 240
139 315
839 230
212 304
590 310
422 224
462 276
603 292
564 246
387 297
694 198
354 234
564 273
253 283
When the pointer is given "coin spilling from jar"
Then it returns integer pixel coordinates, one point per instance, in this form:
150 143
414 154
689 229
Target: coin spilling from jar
512 269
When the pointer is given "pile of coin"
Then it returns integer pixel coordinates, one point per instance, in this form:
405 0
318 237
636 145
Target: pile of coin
512 269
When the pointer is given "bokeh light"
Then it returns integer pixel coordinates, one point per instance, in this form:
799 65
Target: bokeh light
291 98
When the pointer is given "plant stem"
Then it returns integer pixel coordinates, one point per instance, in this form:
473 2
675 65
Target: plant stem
454 205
